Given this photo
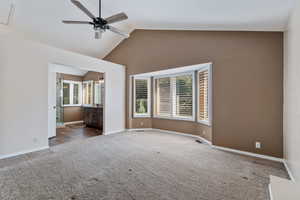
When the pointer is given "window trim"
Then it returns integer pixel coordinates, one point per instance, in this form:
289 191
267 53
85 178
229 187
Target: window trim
71 93
173 116
149 93
209 122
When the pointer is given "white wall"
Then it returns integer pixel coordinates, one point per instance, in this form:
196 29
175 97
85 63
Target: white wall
292 94
24 91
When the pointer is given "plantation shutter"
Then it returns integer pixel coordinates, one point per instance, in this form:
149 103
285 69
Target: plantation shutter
164 100
183 96
141 96
203 95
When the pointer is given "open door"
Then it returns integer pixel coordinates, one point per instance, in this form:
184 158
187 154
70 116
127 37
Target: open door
51 103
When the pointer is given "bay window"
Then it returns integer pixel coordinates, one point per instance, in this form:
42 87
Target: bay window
178 94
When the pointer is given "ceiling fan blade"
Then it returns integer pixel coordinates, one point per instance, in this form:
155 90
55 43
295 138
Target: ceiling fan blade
117 31
83 9
76 22
116 18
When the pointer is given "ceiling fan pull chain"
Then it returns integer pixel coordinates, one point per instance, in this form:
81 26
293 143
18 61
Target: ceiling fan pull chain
100 9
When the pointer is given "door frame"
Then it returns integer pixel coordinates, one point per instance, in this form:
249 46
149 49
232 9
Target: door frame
54 68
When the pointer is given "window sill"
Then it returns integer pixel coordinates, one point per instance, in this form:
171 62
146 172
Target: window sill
207 123
72 105
141 116
175 118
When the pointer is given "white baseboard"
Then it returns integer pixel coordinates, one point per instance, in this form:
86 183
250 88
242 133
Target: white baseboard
185 134
139 129
74 122
113 132
218 147
171 132
24 152
248 153
270 192
289 171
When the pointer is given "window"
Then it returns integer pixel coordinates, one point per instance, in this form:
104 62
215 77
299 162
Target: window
99 92
76 91
163 97
142 101
184 96
175 96
88 90
71 93
204 87
66 93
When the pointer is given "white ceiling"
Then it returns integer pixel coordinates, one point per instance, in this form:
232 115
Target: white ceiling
68 70
5 8
41 19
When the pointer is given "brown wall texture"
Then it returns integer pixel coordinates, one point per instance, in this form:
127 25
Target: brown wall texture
95 76
247 81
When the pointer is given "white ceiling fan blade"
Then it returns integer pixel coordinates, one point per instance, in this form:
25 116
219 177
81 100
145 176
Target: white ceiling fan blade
118 31
83 9
116 18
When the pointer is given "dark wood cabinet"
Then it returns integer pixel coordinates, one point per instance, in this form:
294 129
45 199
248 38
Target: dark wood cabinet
93 117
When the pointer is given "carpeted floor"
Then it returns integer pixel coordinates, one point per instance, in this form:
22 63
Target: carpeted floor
136 166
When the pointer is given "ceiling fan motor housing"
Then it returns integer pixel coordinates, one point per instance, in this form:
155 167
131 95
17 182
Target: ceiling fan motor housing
100 23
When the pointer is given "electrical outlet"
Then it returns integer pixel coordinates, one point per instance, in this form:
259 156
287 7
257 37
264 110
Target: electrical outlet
257 145
203 132
142 123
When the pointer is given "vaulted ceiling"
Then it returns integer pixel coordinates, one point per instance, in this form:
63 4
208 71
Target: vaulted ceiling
41 19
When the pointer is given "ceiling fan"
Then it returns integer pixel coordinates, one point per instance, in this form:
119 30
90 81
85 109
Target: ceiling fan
100 24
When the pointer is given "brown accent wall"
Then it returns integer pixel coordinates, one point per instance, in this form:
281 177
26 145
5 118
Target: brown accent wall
247 81
70 77
183 127
95 76
72 113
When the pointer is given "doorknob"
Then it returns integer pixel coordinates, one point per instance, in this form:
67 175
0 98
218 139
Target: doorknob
54 107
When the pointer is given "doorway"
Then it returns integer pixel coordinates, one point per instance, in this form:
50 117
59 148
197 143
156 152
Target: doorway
79 103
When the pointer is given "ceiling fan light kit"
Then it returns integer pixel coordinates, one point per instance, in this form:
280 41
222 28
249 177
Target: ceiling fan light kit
100 24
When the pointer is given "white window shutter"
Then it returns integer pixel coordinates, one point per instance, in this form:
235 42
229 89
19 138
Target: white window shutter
203 109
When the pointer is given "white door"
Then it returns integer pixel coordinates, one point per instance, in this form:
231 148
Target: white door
51 103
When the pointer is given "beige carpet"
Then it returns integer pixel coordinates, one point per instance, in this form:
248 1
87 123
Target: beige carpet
136 166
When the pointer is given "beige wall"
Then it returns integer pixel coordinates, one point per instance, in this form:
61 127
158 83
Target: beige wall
247 81
25 125
72 113
292 94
